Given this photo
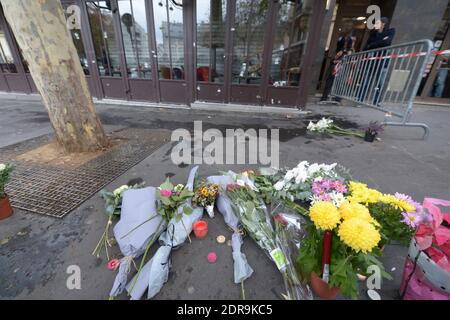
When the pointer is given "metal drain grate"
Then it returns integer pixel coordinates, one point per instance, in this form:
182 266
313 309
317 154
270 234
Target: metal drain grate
55 190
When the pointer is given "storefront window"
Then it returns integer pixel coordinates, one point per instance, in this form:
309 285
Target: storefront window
211 40
169 32
69 11
104 38
248 43
6 59
135 38
289 46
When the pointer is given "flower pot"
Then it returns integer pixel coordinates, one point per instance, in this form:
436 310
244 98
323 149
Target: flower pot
200 229
369 137
210 210
322 289
5 208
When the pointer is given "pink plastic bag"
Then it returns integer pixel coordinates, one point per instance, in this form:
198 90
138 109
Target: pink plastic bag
418 287
426 275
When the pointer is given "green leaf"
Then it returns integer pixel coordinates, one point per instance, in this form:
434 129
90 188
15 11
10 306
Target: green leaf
166 201
167 185
110 208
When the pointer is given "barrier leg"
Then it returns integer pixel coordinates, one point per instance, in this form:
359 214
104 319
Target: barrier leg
411 124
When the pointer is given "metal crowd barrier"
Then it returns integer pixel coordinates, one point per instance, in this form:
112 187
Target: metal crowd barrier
386 79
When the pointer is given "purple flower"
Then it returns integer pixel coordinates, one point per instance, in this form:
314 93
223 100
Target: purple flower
403 196
412 219
317 188
327 184
339 186
325 197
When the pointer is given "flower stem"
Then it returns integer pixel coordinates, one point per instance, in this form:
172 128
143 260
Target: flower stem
103 240
145 255
190 241
242 290
138 226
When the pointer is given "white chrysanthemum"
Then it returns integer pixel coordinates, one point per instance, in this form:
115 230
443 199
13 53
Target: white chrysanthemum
279 185
2 166
120 190
313 168
314 199
311 126
289 175
337 198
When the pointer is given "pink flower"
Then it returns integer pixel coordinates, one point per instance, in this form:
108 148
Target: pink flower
339 187
166 192
113 264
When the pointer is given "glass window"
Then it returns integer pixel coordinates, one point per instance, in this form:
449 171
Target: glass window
248 42
291 34
211 40
104 39
135 38
169 34
6 59
70 10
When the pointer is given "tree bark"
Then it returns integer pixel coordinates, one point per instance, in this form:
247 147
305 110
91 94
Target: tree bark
39 27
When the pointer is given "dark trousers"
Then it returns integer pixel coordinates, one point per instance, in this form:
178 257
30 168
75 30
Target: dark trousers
328 86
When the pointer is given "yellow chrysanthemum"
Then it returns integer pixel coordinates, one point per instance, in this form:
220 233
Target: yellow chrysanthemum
324 215
358 234
356 210
397 203
351 210
360 193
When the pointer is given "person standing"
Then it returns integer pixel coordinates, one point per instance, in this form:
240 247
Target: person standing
381 36
336 63
344 46
441 79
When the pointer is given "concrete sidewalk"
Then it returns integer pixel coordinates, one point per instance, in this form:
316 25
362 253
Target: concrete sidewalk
35 251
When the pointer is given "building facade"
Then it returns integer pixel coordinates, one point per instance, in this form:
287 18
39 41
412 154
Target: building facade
256 52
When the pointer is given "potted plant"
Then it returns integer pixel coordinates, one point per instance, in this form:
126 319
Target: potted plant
5 206
341 244
372 130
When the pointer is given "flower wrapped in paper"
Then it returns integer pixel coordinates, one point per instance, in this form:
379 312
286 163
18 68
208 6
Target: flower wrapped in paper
257 221
242 269
139 225
155 272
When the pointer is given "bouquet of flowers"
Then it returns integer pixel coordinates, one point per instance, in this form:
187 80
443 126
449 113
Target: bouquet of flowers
170 198
113 203
205 196
296 184
255 218
5 171
342 243
325 125
398 215
177 211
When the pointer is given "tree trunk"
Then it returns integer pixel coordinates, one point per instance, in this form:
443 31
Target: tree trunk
39 27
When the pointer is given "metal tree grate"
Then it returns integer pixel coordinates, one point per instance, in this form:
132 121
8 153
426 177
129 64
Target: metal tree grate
56 190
